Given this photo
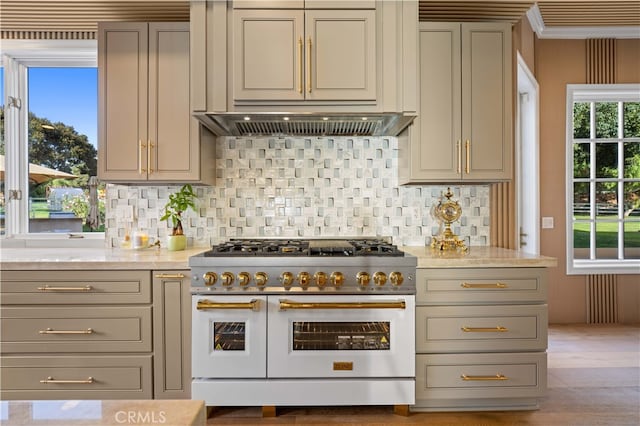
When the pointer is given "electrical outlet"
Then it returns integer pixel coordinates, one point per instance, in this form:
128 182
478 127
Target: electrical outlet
547 223
124 212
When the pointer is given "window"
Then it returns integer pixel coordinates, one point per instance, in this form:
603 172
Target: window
603 179
50 148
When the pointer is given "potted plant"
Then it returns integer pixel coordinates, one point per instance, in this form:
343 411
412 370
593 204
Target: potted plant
178 202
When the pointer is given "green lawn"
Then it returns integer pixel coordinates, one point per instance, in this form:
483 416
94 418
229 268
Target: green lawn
607 234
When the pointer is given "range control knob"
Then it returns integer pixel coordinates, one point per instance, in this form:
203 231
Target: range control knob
379 279
261 279
396 279
303 279
320 278
287 279
363 279
243 279
227 279
337 279
210 278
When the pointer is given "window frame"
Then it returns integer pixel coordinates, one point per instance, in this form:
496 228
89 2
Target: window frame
593 93
16 57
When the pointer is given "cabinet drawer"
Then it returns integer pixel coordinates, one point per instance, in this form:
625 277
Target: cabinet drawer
72 377
481 328
499 375
476 285
75 287
71 329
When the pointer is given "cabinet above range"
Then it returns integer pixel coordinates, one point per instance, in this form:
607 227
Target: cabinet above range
304 67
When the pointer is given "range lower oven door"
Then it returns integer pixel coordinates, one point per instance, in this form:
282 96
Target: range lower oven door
229 336
341 336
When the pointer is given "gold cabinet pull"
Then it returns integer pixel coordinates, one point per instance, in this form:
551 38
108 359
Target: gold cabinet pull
300 68
178 276
483 378
309 66
50 330
142 147
206 304
459 150
150 146
498 329
50 288
467 165
289 304
483 285
50 379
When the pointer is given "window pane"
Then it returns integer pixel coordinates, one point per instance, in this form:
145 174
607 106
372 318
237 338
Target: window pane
631 119
581 238
632 160
606 160
606 120
606 240
632 199
632 239
581 160
581 121
581 204
606 199
62 150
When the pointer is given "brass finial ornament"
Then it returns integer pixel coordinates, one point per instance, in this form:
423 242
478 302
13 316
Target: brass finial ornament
447 212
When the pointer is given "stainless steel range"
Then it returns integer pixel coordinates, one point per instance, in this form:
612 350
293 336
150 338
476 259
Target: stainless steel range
303 322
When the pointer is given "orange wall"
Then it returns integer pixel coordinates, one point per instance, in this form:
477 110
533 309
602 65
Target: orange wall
558 63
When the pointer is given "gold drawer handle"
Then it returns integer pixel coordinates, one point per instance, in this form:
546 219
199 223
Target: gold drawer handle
50 330
50 379
205 304
288 304
483 378
483 285
49 288
498 329
179 276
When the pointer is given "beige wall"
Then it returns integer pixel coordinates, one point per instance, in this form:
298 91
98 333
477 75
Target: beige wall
524 42
558 63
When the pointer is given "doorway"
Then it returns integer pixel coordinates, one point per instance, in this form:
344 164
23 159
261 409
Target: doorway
527 161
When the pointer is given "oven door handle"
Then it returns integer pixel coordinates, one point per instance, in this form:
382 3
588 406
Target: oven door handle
206 304
289 304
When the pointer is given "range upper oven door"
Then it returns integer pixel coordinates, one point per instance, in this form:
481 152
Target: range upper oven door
341 336
229 336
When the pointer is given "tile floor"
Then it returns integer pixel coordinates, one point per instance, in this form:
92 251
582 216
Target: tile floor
593 379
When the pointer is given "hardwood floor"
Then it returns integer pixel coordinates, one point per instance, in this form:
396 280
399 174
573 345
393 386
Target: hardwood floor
593 379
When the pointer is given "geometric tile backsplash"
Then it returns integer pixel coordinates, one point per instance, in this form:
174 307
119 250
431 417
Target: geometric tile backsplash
303 187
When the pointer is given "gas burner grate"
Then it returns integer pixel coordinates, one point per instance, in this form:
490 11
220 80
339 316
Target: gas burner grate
319 247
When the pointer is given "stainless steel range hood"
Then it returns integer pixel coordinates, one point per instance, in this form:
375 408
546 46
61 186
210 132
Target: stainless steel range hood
304 124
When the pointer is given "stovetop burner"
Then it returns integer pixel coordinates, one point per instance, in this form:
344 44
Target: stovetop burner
283 247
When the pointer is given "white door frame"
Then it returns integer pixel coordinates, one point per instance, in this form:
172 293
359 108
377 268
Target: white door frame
527 160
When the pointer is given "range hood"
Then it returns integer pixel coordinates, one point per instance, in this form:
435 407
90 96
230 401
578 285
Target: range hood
304 124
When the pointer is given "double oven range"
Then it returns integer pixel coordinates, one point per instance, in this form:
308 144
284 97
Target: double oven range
303 322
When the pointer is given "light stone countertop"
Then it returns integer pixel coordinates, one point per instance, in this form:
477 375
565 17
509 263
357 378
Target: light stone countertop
479 257
99 259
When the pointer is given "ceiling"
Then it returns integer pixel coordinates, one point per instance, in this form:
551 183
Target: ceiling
82 15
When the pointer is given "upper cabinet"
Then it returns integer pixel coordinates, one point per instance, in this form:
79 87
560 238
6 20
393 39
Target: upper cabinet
304 56
464 128
146 132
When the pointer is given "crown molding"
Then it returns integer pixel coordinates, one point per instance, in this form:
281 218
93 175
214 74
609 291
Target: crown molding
542 31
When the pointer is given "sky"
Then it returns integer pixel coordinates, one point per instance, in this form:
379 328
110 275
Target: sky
66 95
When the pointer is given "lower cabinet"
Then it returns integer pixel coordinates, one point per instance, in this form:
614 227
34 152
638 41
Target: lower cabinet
481 338
95 335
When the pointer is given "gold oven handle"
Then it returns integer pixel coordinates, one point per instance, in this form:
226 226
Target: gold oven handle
289 304
49 288
50 379
483 285
483 378
206 304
